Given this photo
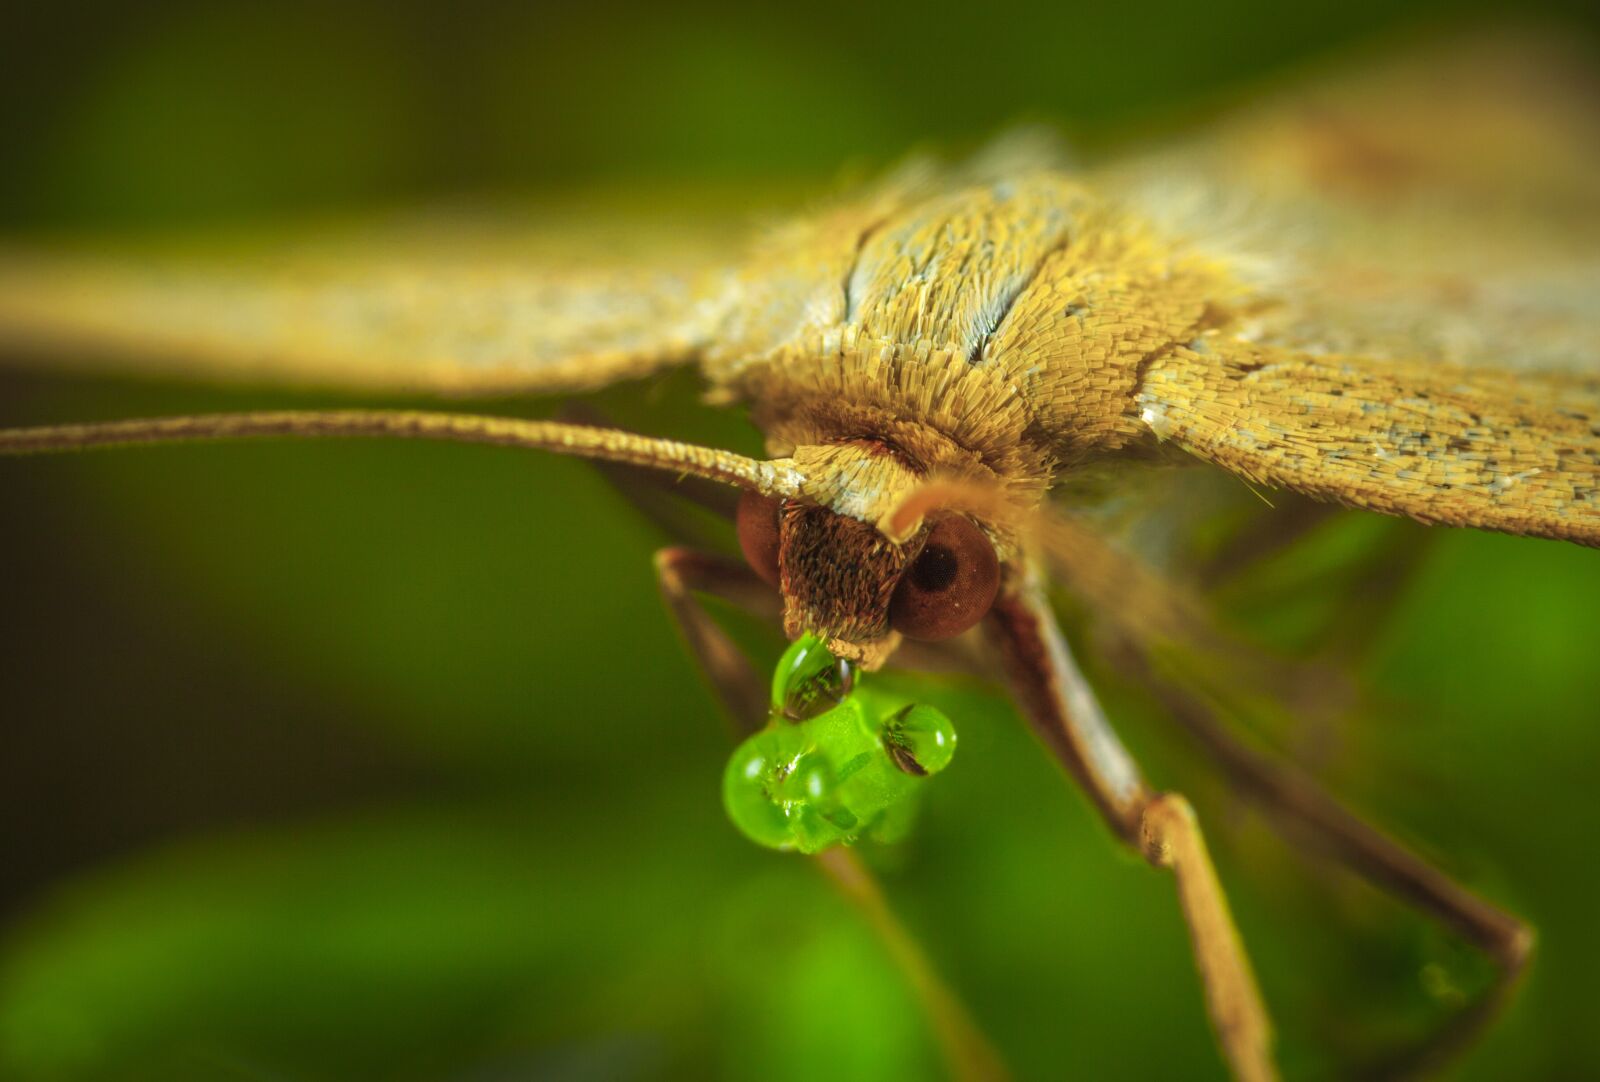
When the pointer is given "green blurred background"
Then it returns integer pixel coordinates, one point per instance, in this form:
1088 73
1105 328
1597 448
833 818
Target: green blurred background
347 762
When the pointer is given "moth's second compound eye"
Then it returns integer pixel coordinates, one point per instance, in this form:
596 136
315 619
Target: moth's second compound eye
949 586
757 521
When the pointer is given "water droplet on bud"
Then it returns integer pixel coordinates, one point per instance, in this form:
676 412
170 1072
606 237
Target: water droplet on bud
920 740
747 794
809 680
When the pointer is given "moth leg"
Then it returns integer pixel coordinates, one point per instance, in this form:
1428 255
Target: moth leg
1296 802
1292 797
1063 710
1170 838
682 573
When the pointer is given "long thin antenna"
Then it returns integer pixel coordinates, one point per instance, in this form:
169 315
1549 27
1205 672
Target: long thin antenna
609 444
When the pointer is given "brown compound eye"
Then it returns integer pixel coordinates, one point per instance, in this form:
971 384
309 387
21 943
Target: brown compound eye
757 522
949 586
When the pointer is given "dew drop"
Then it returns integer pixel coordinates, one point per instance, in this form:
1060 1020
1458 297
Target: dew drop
748 796
809 680
920 740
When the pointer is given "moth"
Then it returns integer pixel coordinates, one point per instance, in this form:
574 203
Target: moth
1380 293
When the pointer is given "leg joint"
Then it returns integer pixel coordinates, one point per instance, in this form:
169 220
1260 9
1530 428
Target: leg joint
1165 816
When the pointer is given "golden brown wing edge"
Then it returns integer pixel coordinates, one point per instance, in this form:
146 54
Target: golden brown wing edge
408 309
1517 453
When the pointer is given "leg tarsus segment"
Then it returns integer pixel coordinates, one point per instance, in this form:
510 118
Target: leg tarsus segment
1294 801
1063 710
1291 797
1171 838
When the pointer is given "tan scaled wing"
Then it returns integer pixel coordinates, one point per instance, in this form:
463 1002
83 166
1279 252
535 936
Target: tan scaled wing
566 296
1426 241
